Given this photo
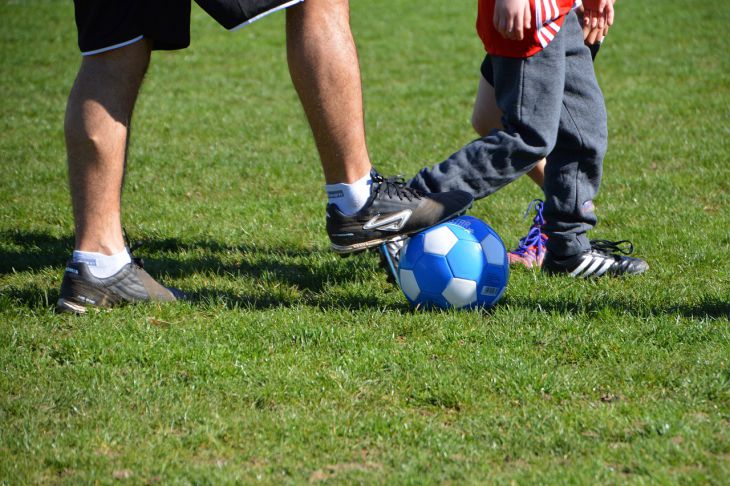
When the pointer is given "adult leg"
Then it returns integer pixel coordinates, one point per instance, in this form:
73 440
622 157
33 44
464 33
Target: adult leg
98 117
97 124
364 210
326 74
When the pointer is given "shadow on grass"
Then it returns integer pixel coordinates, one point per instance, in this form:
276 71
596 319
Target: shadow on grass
709 307
36 297
36 251
304 275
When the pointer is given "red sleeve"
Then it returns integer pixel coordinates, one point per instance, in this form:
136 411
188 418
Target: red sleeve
547 18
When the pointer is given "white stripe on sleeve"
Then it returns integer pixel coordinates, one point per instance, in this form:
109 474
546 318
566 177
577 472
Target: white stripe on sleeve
556 10
546 32
548 12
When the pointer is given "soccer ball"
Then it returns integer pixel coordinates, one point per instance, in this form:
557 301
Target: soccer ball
461 263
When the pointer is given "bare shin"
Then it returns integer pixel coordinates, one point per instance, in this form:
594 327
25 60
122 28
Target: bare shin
325 71
97 124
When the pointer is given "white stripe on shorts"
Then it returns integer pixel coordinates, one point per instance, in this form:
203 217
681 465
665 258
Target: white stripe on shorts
115 46
264 14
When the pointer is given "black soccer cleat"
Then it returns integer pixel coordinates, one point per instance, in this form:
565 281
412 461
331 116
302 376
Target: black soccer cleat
80 290
603 259
392 211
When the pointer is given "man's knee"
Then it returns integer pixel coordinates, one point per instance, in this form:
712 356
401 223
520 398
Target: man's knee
88 126
120 69
105 90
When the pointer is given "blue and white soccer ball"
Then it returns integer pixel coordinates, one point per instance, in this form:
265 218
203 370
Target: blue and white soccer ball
461 263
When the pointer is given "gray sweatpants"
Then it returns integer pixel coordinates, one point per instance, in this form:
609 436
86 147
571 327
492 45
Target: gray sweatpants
552 108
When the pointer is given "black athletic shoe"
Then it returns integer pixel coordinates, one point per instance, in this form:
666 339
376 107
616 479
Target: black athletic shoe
81 290
604 258
392 211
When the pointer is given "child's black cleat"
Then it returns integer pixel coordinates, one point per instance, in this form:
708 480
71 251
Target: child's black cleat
392 211
603 259
81 290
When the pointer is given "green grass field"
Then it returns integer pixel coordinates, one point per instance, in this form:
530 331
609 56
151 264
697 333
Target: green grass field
291 364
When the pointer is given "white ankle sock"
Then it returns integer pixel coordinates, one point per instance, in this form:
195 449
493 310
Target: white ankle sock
349 198
100 265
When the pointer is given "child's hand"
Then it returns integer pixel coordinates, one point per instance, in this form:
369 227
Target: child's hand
597 18
512 18
591 36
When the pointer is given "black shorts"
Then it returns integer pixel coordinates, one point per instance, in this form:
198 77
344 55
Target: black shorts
110 24
488 72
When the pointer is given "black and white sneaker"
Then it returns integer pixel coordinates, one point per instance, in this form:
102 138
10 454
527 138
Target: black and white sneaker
80 290
392 211
605 258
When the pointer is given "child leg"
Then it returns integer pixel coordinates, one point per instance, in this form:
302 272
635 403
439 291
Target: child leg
531 94
486 115
574 168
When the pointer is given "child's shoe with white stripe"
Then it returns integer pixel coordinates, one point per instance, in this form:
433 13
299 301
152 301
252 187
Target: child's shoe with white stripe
605 258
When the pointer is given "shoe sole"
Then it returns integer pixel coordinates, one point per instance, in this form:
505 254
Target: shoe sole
519 262
358 247
65 306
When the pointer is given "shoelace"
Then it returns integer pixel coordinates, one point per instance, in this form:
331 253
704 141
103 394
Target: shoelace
609 247
537 204
534 237
395 186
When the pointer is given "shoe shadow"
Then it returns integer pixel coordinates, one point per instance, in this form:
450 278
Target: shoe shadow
28 251
306 277
302 276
